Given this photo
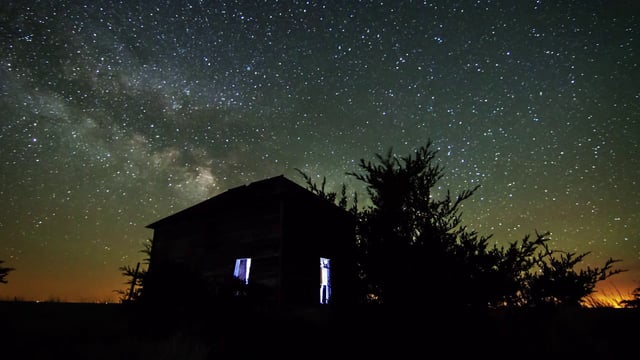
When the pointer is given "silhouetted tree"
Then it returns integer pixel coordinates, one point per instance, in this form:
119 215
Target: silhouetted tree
4 272
557 283
134 282
415 250
634 302
511 271
530 273
331 196
135 277
407 236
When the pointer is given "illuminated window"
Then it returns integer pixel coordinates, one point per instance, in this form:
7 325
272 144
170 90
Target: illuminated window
241 271
325 280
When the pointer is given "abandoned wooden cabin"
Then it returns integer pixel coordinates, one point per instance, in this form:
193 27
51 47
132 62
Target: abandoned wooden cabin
274 233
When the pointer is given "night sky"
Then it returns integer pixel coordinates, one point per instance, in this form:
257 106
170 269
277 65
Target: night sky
116 114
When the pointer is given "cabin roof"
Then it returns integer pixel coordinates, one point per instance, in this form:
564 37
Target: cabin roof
274 187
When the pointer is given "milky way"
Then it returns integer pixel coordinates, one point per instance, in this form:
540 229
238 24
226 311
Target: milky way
116 114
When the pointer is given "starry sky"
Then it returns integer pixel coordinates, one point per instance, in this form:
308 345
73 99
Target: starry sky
114 114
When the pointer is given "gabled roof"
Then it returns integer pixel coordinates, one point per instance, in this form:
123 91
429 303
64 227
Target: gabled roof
278 186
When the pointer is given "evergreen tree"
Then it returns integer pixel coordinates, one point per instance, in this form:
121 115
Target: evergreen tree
4 272
135 277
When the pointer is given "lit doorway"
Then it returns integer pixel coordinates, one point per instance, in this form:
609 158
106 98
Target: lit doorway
325 280
241 271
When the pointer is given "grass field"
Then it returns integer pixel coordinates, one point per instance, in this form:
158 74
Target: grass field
114 331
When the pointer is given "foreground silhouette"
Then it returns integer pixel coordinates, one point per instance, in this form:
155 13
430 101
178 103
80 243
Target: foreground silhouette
415 250
427 285
634 302
409 247
4 272
132 331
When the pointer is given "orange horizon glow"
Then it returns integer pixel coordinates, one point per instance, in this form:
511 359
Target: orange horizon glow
88 289
84 288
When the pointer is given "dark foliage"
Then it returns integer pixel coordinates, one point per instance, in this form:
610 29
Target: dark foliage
135 277
135 282
321 191
407 235
4 272
414 249
557 282
633 302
